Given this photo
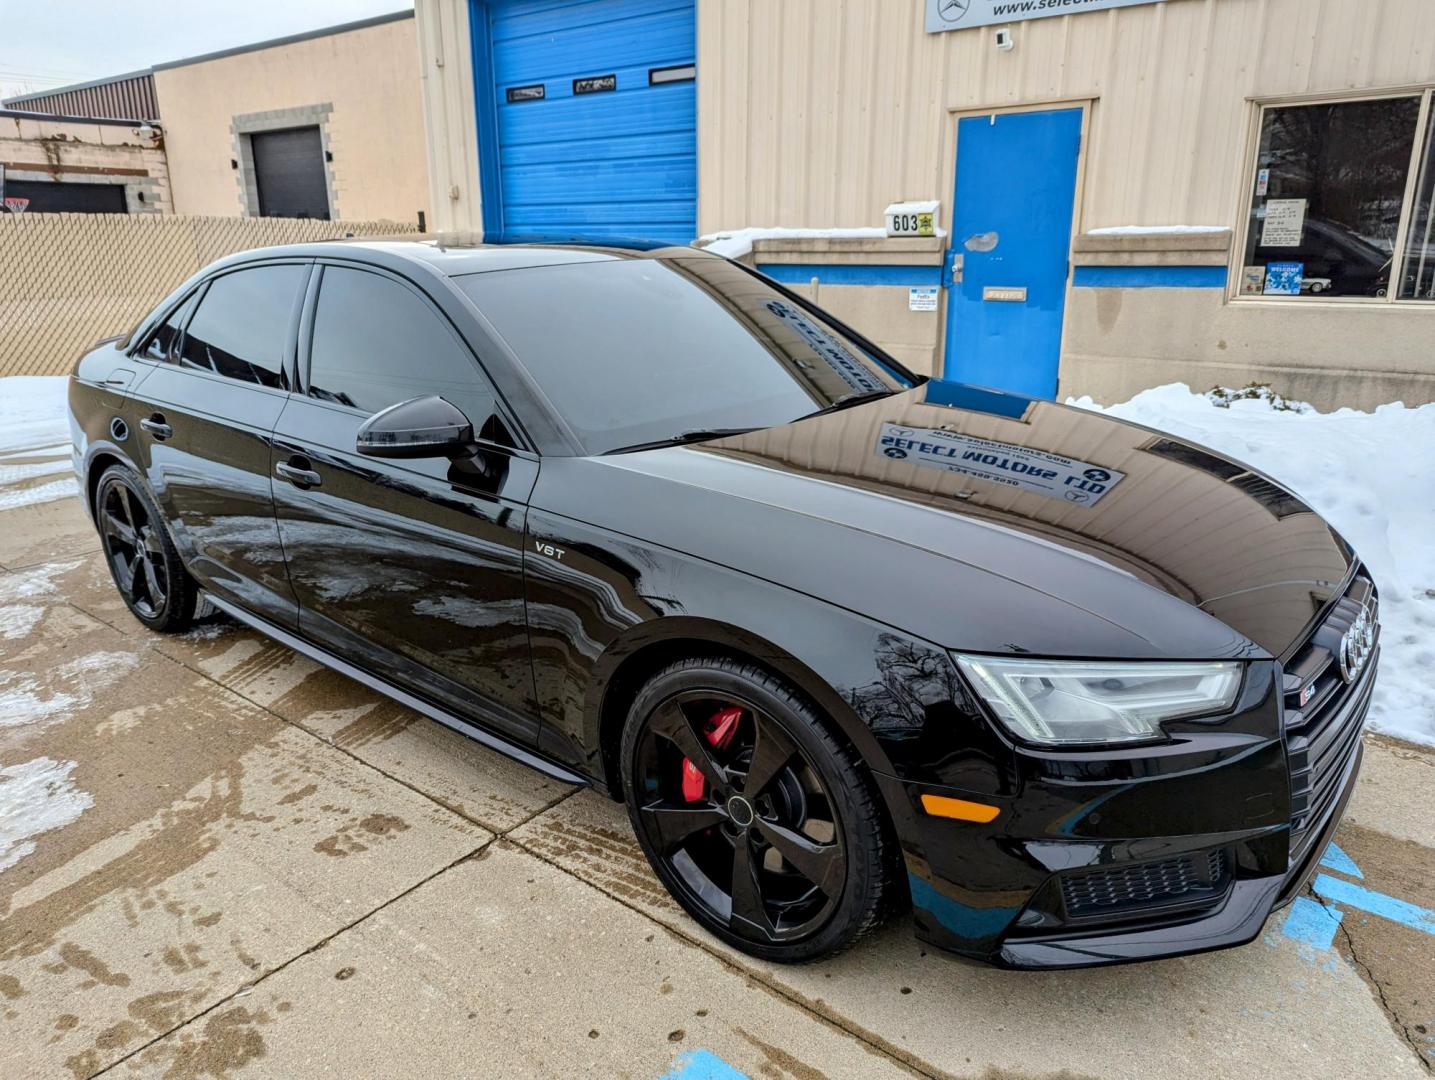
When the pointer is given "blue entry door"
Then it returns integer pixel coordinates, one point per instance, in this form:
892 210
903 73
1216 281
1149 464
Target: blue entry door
1007 268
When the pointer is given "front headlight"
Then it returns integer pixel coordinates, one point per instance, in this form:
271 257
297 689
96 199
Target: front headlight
1065 702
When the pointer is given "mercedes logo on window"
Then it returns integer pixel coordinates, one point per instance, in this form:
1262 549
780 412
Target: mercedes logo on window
1356 645
953 10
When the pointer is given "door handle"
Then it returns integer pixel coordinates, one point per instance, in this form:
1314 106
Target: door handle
156 426
297 475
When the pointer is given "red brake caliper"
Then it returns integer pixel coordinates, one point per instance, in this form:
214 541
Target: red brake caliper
718 730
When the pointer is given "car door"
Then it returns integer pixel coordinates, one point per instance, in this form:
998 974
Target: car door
218 375
411 568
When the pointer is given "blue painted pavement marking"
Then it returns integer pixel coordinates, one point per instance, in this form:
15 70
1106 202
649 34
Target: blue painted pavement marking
1312 922
701 1065
1337 860
1387 907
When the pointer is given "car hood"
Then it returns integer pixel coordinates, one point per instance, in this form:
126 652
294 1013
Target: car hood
970 516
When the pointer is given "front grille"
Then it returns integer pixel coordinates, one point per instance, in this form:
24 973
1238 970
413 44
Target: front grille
1136 886
1323 715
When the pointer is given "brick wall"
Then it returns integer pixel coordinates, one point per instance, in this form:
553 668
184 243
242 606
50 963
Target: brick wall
91 152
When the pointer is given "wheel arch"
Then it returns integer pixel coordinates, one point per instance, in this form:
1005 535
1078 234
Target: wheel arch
101 458
649 647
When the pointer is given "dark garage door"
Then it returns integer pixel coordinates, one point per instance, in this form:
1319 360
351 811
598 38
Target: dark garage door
596 118
53 197
289 172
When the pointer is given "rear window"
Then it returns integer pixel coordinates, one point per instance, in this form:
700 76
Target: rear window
639 349
241 330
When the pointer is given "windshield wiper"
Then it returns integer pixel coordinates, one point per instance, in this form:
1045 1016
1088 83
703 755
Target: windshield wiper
682 438
859 398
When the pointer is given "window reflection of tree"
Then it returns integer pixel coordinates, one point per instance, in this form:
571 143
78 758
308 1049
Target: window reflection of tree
162 342
1349 160
207 357
241 326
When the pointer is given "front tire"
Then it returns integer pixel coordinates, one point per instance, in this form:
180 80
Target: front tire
142 558
760 823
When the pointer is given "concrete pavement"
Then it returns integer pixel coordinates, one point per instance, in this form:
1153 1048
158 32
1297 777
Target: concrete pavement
253 866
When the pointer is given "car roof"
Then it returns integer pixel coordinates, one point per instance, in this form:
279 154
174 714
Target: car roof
454 260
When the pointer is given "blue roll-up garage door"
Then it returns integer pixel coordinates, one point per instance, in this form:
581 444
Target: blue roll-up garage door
594 118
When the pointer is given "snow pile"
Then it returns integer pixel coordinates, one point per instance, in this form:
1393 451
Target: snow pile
927 206
735 243
34 440
34 798
1369 475
34 410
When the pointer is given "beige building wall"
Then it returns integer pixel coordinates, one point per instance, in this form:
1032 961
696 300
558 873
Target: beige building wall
450 123
74 151
819 113
361 86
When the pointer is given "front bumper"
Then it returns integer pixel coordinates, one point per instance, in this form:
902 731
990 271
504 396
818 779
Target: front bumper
1235 920
1012 894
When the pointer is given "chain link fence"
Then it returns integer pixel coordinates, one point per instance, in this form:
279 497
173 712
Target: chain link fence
68 280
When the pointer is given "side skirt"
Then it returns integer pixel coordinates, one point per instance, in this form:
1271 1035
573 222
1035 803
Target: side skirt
403 697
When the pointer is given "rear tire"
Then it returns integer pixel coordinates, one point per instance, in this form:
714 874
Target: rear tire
141 556
761 824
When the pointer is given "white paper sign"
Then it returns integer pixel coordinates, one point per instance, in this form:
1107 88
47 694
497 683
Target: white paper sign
1052 475
922 298
1285 223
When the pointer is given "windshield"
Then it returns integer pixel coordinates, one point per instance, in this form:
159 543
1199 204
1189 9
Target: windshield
642 349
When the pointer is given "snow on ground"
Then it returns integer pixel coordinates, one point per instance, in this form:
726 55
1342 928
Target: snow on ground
34 410
735 243
1370 475
34 441
36 797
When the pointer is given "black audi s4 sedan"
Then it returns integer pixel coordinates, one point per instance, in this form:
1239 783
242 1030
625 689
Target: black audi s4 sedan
843 639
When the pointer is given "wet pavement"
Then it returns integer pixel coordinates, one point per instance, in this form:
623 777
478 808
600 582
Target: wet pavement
220 859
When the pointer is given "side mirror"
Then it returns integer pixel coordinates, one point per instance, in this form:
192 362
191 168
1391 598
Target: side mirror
426 427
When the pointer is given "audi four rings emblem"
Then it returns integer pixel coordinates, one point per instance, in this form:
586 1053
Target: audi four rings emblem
1356 645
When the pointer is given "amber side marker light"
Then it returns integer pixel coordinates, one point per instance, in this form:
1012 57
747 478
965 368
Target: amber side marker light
960 809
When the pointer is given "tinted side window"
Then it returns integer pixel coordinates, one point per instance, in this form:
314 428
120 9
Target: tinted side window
242 325
376 343
162 342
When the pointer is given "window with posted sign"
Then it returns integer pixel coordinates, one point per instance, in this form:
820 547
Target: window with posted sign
1330 215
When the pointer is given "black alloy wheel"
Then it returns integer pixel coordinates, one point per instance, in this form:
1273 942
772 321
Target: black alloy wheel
142 558
761 824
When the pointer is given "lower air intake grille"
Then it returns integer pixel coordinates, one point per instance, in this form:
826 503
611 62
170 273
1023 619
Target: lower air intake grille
1183 879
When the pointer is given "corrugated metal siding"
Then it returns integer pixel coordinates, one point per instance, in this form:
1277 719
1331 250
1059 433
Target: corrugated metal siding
820 112
122 99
